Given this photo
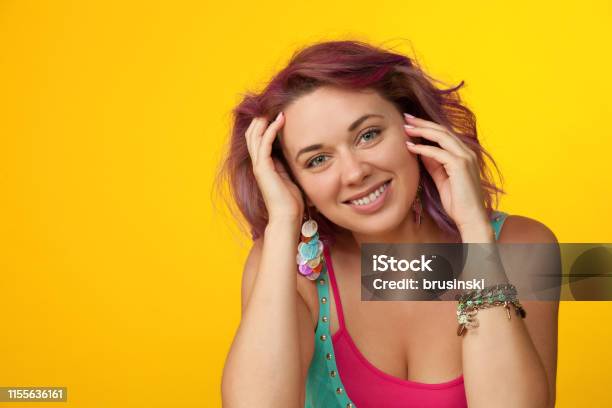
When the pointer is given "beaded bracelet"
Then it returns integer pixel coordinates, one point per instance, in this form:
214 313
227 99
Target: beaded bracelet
497 295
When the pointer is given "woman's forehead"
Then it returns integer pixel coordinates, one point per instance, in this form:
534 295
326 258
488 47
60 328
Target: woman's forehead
327 113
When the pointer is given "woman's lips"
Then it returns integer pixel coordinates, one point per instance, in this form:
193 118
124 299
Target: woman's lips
374 205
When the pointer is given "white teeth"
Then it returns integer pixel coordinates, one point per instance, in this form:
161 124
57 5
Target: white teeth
371 197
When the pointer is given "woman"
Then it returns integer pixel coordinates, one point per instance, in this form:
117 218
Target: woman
363 143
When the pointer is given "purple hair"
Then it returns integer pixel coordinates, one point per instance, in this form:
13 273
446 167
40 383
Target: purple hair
350 65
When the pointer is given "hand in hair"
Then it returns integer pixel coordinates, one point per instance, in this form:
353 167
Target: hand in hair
281 195
454 169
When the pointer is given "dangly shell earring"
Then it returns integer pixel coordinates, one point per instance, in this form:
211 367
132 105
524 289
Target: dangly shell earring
310 250
417 206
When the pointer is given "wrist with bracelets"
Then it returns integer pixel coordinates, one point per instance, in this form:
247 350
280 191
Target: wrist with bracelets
504 294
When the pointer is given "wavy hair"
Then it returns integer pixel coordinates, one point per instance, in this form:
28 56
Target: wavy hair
350 65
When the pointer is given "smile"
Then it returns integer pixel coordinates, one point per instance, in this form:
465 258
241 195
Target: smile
371 202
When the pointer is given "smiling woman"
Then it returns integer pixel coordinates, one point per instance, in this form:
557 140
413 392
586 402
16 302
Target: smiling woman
366 145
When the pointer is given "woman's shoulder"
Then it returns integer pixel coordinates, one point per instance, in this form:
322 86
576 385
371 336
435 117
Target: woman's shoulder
521 229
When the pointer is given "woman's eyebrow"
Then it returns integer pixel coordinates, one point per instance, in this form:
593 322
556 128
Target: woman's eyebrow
350 129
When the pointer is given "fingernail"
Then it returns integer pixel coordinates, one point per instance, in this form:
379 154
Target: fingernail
409 116
409 126
279 115
409 143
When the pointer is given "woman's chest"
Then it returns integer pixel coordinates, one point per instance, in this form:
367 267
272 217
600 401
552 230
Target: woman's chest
414 341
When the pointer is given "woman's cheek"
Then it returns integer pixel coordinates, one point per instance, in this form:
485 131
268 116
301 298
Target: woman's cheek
396 155
321 190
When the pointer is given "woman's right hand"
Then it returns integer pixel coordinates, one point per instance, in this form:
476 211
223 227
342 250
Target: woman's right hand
282 197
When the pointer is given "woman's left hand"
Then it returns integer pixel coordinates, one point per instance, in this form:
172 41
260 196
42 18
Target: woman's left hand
454 168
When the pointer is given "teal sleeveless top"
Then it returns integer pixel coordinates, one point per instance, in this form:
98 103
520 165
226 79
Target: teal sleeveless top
324 388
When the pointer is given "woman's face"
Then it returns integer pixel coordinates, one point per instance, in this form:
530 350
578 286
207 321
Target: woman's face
344 144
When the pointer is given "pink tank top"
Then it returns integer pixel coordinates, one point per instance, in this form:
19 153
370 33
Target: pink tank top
340 376
370 387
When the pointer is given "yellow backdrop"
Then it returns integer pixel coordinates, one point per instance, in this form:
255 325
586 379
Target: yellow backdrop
120 281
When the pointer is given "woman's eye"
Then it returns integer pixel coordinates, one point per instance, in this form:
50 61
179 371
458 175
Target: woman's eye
315 161
374 132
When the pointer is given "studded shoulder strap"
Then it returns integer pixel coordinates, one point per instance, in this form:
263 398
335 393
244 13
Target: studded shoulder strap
497 221
324 387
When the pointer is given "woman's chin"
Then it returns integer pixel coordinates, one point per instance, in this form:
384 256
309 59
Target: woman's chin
377 226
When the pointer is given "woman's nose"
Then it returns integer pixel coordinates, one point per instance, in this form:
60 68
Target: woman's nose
354 170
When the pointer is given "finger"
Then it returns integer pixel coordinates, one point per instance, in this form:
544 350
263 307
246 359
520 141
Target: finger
418 122
451 162
434 152
434 159
265 147
411 120
251 135
247 136
447 141
256 133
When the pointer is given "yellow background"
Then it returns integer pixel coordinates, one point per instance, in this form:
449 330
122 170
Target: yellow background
120 281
